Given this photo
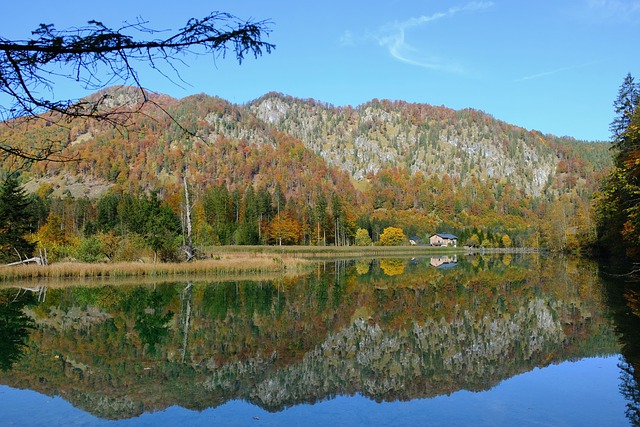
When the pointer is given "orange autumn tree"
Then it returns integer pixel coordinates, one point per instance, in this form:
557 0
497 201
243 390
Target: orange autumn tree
284 230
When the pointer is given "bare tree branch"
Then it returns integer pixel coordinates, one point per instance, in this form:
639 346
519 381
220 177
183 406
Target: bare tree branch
96 56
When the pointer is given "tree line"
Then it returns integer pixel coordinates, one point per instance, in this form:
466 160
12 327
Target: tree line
618 201
122 225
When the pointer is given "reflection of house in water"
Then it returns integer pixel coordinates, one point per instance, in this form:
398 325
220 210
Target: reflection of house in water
444 261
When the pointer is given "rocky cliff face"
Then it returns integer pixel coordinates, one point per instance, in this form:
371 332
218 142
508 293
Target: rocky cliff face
418 137
467 146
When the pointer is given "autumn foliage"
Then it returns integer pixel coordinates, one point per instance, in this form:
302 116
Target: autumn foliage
260 176
392 236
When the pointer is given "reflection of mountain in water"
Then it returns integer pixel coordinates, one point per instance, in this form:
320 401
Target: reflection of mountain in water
119 351
430 359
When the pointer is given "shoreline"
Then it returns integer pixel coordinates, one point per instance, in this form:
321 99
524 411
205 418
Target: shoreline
231 261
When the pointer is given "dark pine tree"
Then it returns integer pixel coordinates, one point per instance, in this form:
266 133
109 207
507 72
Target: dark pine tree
617 207
15 327
624 106
16 221
249 233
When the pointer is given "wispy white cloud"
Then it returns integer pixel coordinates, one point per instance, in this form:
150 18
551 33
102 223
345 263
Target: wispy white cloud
615 9
552 72
393 37
348 39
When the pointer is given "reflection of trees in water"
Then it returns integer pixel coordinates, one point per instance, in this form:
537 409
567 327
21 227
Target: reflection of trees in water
623 300
630 366
363 266
15 326
288 341
152 321
392 266
185 317
630 390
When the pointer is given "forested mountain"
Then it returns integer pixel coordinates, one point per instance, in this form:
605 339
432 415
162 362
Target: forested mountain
466 144
286 170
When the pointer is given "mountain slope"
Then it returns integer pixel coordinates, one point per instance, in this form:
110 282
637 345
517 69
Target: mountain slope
231 148
466 145
334 169
420 137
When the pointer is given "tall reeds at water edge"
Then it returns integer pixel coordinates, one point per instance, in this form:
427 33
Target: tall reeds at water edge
231 264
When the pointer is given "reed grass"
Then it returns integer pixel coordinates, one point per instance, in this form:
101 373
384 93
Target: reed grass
231 264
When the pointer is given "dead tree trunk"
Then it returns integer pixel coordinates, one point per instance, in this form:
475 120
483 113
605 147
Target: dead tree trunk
189 249
185 317
36 260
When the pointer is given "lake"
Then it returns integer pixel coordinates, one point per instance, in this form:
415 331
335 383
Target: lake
499 339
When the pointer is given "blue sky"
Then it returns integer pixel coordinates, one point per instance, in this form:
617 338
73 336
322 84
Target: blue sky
554 66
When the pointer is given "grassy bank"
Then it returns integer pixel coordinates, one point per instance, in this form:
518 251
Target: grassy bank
219 261
331 252
228 264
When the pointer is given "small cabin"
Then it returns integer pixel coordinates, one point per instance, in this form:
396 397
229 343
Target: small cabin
443 239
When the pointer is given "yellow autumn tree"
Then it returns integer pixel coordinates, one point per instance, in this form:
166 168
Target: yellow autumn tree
392 236
52 237
52 232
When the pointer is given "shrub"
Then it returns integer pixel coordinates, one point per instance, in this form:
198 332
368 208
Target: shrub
392 236
362 237
89 250
132 248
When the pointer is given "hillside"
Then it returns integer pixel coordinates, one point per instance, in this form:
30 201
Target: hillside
432 140
330 169
154 152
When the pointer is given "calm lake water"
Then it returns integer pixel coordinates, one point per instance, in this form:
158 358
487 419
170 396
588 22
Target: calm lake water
481 340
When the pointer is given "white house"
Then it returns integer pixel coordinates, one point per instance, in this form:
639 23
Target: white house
443 239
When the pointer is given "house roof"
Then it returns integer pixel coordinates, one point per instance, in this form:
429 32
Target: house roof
445 236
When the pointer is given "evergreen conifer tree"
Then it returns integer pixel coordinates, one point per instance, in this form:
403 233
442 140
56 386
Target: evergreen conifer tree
624 106
16 220
617 207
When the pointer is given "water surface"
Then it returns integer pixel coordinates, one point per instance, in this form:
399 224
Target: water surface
484 340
